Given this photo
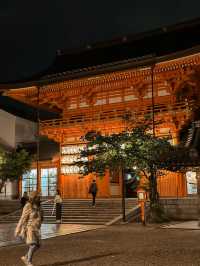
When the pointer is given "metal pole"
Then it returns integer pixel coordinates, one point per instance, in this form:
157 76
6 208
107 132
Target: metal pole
153 175
38 134
123 197
198 195
152 99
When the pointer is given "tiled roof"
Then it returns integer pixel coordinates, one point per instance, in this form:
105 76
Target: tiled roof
161 42
23 110
116 53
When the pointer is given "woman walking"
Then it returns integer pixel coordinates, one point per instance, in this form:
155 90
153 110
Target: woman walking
28 227
58 204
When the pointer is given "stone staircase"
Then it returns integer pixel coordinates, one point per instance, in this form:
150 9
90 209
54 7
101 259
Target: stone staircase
8 206
76 211
81 211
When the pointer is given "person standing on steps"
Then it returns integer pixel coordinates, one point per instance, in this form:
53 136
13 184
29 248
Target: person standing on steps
28 227
58 205
24 199
93 190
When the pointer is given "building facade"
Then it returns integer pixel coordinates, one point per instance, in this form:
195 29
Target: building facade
110 87
14 130
101 100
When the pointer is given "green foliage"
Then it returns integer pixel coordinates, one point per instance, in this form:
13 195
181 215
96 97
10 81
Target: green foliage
136 149
14 164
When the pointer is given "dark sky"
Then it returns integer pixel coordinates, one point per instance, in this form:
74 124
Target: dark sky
32 30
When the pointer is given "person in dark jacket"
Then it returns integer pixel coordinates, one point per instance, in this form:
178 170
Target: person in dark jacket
24 199
93 190
58 206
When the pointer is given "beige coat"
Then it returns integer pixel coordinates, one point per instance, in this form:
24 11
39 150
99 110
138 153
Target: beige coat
28 227
57 199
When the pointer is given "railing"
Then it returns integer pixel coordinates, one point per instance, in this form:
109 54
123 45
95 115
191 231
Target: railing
117 114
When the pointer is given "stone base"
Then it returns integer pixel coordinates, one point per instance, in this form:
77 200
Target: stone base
182 208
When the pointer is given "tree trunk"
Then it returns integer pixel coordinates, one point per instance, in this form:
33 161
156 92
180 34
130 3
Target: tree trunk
1 186
154 197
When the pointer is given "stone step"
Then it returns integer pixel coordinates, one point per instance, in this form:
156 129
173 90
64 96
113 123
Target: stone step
8 206
80 211
79 219
82 222
89 201
67 217
83 213
87 206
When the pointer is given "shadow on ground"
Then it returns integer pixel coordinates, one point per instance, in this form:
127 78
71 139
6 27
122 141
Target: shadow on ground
82 259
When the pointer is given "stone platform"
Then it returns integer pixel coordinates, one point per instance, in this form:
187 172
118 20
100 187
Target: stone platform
189 225
48 231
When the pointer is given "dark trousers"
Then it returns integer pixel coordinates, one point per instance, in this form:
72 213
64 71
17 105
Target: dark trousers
31 251
93 198
58 211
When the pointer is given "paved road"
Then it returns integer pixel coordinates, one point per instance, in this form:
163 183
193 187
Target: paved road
128 245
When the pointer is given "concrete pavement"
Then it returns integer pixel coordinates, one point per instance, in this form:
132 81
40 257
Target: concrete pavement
189 225
120 245
47 231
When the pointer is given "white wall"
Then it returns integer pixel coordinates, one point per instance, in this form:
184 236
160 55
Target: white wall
25 130
14 130
7 128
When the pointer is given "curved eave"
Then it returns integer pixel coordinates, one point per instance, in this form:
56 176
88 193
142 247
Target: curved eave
108 68
182 38
25 111
139 62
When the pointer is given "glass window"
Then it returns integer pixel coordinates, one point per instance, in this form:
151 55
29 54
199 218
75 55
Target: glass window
48 181
29 181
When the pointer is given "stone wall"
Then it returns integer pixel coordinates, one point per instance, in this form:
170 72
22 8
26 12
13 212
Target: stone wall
7 132
25 131
182 208
10 190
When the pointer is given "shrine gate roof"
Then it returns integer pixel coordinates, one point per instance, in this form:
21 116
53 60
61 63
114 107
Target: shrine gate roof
160 45
23 110
109 56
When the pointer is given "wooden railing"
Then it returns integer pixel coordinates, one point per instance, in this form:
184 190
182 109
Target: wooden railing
118 114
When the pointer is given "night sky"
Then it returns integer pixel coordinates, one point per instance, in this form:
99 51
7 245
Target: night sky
32 30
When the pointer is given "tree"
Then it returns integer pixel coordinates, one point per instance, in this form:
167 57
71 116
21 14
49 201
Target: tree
136 149
13 165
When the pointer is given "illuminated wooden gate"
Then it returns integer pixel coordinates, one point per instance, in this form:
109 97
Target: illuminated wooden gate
100 102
